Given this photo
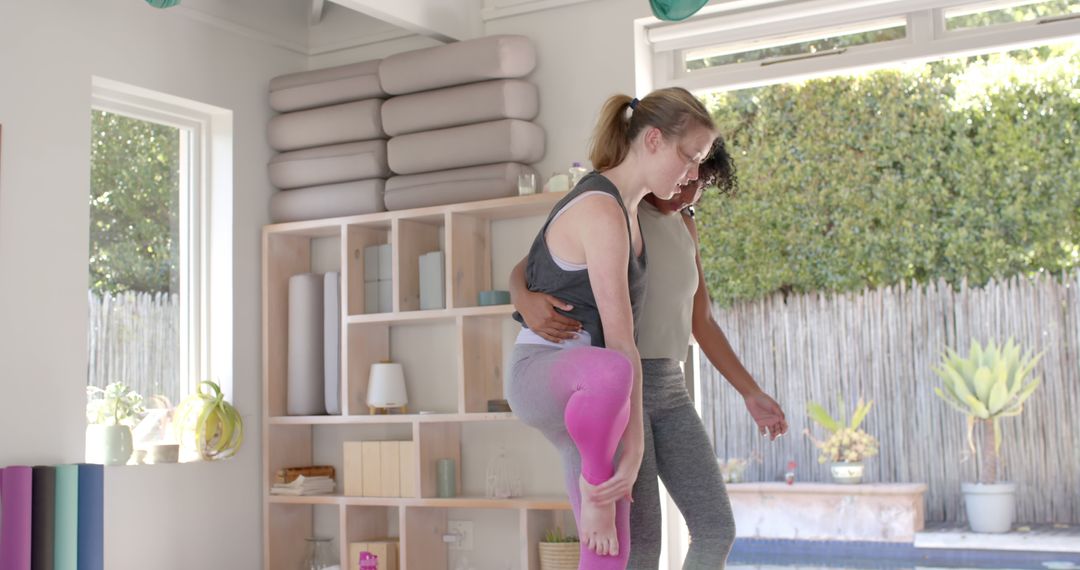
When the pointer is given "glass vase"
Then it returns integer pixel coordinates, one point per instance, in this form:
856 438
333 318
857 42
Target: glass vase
318 555
503 480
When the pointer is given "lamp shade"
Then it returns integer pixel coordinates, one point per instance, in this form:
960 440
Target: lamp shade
386 386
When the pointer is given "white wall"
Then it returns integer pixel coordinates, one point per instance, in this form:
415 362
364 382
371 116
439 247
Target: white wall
585 54
179 516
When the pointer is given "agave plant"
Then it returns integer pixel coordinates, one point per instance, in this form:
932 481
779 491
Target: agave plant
206 423
846 442
987 386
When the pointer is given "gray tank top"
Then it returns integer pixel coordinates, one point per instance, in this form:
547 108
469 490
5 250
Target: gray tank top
543 274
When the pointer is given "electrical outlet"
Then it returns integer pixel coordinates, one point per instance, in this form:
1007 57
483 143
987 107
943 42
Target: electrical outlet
463 529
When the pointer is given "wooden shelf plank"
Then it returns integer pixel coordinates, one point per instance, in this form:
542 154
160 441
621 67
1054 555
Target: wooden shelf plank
393 419
433 315
541 503
497 209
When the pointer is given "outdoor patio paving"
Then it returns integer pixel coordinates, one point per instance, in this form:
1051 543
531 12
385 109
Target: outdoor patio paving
1035 537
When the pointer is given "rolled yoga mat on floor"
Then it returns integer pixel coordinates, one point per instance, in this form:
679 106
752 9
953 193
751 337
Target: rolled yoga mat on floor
347 122
16 516
91 536
330 201
43 534
508 140
453 186
322 87
491 57
329 164
332 341
65 553
304 390
461 105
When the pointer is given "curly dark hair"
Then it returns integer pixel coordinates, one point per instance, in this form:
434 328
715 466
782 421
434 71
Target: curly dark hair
719 169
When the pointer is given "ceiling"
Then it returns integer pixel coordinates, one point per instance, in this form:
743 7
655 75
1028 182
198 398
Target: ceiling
319 26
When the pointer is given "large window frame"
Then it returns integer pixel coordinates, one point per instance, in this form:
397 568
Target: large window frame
660 46
206 223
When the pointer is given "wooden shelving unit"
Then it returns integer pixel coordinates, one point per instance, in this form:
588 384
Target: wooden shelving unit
463 232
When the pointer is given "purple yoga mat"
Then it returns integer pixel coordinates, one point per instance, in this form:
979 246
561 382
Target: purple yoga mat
16 493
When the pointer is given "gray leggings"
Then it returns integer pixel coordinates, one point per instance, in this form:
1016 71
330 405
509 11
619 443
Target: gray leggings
677 450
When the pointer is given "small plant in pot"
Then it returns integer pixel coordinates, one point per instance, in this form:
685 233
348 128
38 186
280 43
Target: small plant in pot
110 413
207 426
987 385
847 446
559 551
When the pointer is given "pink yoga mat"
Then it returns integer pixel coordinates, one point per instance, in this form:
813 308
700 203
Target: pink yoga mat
16 489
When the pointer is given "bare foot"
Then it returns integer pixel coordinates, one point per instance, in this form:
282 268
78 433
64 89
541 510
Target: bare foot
597 525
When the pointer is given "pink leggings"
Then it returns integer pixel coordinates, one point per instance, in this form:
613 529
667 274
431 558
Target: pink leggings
579 398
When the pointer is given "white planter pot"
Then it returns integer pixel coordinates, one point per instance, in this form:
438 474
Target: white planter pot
108 445
847 472
990 508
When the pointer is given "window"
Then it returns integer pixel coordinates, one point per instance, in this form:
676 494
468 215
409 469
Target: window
797 46
750 45
995 13
160 254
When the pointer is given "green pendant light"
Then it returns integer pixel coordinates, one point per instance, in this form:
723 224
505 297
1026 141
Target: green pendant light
676 10
163 3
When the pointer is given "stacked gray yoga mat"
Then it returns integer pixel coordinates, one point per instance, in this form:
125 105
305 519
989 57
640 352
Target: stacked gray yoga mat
332 159
460 121
460 117
313 385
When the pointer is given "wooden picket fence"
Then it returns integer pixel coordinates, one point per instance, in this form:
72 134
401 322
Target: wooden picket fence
134 338
881 345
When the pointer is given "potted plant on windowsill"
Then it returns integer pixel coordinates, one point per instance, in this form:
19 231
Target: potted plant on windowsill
987 386
847 446
207 426
559 551
110 413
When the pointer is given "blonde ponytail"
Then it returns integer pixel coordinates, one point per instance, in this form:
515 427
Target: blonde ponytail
672 110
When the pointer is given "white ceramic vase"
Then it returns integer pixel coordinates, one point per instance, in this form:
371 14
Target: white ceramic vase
108 445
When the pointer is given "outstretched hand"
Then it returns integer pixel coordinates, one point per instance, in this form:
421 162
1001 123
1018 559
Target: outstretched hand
767 414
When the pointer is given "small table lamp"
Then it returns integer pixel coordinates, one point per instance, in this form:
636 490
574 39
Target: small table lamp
386 388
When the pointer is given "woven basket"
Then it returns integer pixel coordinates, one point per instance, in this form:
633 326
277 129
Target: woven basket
559 555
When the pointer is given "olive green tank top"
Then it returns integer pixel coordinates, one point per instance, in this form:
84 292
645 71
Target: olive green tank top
664 326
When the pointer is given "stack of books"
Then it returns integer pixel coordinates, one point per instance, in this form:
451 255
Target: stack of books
312 480
304 486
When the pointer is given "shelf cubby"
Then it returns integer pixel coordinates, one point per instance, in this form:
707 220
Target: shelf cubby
358 237
469 258
414 237
360 523
289 524
423 546
437 441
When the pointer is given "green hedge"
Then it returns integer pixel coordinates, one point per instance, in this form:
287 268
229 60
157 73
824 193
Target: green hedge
957 169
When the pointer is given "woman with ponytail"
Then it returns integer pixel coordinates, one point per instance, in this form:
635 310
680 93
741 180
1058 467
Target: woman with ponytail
585 395
677 447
